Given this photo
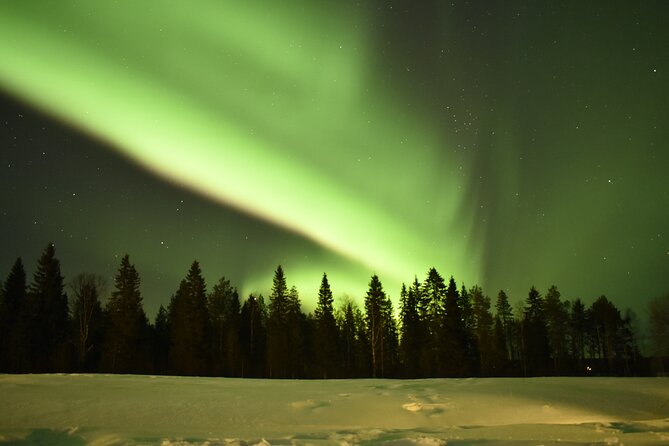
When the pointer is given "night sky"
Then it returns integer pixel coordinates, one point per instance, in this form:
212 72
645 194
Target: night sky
508 144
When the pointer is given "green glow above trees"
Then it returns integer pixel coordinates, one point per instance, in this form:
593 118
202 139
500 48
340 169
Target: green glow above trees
508 145
273 112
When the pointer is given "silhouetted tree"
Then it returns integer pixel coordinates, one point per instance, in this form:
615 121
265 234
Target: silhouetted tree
390 352
125 340
353 340
161 342
466 306
455 336
556 314
482 326
410 330
500 353
658 311
380 328
224 310
297 323
14 336
48 316
189 325
326 333
505 315
87 319
628 342
282 328
606 322
252 336
577 334
534 336
432 316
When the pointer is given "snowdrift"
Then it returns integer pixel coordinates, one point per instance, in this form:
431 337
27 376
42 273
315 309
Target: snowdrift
115 410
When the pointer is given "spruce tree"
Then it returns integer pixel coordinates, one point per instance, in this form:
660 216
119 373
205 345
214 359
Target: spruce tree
434 301
577 334
278 328
658 311
252 336
14 339
375 319
327 334
127 323
482 326
161 342
48 315
466 306
224 310
500 354
504 313
556 315
535 336
471 347
606 326
189 325
351 324
456 361
628 343
390 350
410 331
433 317
297 323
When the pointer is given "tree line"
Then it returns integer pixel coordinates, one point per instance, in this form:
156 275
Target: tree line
441 330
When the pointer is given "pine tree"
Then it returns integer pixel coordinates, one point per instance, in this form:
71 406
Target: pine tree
606 324
658 311
14 340
535 337
433 316
471 347
224 312
410 330
252 337
352 328
628 345
297 322
466 306
456 361
376 329
327 335
500 354
161 342
390 351
278 328
505 315
556 315
87 319
189 325
48 316
577 334
127 323
482 325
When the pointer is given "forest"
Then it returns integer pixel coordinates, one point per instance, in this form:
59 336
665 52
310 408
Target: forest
439 330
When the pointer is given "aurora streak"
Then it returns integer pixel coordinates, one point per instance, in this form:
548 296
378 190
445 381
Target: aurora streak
506 145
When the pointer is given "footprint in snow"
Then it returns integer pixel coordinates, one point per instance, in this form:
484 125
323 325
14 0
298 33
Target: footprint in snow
430 408
308 404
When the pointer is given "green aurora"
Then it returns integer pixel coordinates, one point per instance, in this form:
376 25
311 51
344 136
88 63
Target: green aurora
507 145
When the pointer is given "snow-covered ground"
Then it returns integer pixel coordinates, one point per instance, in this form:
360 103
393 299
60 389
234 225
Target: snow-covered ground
115 410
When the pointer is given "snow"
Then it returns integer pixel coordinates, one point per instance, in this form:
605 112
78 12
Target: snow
106 410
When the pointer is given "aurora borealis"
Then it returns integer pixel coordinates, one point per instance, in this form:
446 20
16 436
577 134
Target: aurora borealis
507 145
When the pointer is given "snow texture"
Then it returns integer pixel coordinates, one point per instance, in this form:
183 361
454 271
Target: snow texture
106 410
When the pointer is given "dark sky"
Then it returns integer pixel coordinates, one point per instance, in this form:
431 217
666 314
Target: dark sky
508 144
